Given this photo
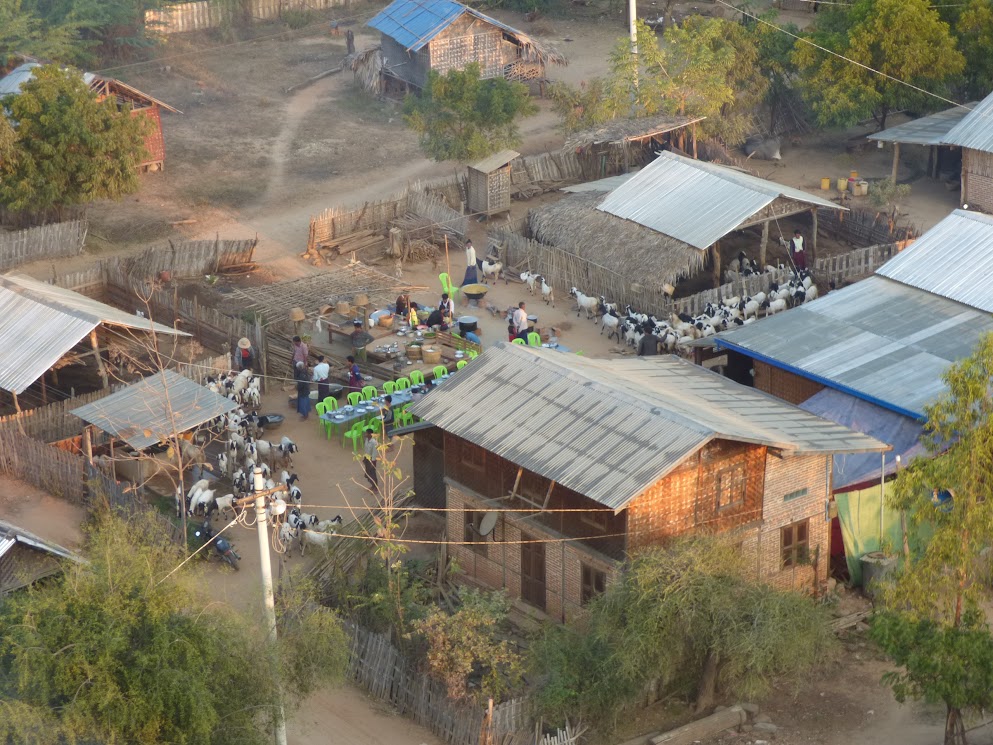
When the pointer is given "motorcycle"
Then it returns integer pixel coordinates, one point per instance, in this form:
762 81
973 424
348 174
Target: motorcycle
225 551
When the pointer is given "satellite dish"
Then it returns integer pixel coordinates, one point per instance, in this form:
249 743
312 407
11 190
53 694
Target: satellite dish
487 524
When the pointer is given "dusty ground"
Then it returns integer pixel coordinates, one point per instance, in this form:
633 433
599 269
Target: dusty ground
42 514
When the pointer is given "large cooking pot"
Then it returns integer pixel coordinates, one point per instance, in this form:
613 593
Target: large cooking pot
532 321
468 323
475 291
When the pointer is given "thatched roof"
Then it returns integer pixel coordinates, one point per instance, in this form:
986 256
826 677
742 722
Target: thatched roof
618 131
535 51
575 224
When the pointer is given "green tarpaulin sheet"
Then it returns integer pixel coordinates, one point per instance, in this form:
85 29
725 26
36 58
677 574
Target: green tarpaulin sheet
858 513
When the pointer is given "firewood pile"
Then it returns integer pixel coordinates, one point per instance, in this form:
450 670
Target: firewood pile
372 242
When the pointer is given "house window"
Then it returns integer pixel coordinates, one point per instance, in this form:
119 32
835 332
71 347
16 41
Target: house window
795 495
731 486
794 542
473 456
470 535
594 583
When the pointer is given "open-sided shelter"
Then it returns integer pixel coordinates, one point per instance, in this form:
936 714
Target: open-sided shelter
441 35
662 222
39 323
125 97
25 558
546 499
931 132
622 143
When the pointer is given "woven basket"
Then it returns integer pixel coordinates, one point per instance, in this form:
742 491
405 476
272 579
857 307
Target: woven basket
386 321
431 355
414 351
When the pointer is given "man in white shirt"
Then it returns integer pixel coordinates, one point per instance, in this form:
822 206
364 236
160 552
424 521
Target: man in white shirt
797 252
520 318
322 371
471 277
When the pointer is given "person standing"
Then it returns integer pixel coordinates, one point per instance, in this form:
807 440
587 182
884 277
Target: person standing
300 353
322 371
649 344
520 319
471 277
369 458
354 376
797 252
245 353
403 306
360 340
303 390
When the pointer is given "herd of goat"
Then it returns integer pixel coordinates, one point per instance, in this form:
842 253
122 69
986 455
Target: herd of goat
629 326
245 449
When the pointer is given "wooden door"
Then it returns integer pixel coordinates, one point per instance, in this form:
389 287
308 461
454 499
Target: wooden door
533 572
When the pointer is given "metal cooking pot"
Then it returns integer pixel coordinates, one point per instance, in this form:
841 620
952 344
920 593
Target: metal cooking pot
468 323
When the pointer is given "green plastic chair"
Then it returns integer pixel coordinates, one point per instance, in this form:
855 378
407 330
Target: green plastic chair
321 409
389 387
354 434
330 403
417 377
439 371
518 341
460 364
403 417
403 384
534 339
354 398
369 392
472 355
447 287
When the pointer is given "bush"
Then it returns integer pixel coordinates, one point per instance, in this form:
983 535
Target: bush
297 19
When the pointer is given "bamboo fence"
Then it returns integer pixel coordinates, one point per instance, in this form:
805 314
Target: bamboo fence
52 470
54 241
860 227
855 264
205 14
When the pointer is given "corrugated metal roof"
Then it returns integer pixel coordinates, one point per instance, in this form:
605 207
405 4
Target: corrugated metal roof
11 535
497 160
11 83
39 323
879 340
140 414
413 23
928 130
600 185
954 259
698 203
975 131
608 429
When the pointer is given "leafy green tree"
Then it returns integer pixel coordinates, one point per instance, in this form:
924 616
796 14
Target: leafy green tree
932 624
461 117
469 640
775 61
683 619
69 149
904 39
975 34
705 67
116 651
21 31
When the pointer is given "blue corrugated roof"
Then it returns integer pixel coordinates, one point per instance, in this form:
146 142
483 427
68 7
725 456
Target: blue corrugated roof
413 23
11 83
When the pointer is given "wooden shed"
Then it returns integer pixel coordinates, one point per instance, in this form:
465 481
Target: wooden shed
489 183
419 36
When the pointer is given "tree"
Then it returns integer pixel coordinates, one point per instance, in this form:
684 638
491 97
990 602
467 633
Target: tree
905 40
70 149
975 33
932 624
117 650
21 31
706 67
682 619
461 117
467 641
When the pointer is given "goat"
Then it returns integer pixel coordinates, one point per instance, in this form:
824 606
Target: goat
607 307
287 535
301 519
812 293
610 321
309 536
198 487
329 526
286 449
529 278
239 480
201 502
547 294
775 306
295 494
492 269
223 505
288 479
584 302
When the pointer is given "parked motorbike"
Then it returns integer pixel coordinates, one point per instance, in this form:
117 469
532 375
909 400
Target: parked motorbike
223 548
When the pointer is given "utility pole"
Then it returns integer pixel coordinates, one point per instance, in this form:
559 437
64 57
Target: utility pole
632 21
262 522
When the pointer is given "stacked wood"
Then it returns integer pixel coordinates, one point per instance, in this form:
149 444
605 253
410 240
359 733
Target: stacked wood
328 250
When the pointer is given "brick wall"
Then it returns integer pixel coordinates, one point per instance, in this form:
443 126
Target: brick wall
789 476
785 385
497 562
977 180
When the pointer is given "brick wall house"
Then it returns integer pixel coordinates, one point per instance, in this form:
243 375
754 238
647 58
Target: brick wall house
977 179
576 463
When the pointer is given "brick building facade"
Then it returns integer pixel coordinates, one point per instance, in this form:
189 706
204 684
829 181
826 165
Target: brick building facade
552 522
977 180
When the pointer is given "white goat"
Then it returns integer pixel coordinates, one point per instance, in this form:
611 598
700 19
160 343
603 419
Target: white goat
547 294
225 504
201 502
329 526
492 269
317 539
610 321
529 278
585 302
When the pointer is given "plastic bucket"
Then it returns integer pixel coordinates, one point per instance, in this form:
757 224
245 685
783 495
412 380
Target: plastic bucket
842 184
826 183
853 175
